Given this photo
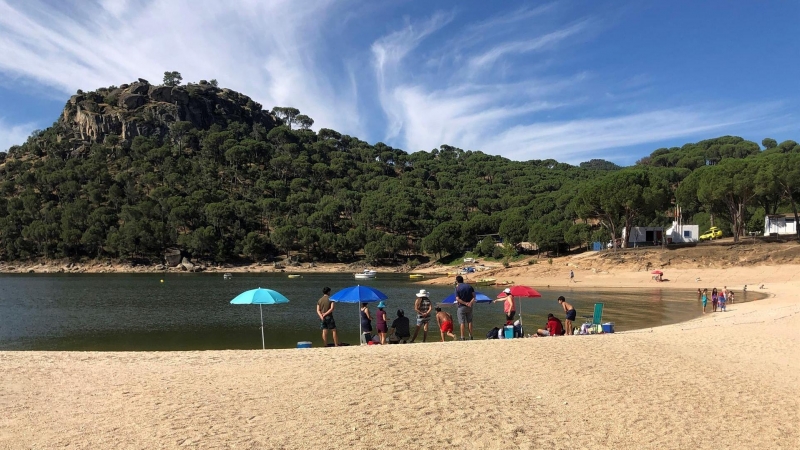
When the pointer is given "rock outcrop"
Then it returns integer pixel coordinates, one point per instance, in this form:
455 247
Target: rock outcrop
142 109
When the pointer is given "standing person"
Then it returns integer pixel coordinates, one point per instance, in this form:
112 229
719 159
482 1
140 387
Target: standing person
714 300
570 311
509 306
730 297
423 307
325 313
465 296
366 322
571 276
704 299
380 321
721 301
445 322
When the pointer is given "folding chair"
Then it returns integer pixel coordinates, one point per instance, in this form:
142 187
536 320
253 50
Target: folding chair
594 321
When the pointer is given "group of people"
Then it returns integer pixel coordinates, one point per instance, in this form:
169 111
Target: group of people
719 299
400 329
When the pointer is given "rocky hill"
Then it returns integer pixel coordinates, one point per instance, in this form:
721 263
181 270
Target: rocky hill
144 109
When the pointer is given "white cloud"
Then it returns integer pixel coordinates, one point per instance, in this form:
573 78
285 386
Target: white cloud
266 49
14 134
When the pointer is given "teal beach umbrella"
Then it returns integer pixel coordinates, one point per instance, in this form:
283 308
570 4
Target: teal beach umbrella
260 297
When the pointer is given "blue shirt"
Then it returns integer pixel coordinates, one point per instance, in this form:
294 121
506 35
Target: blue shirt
465 293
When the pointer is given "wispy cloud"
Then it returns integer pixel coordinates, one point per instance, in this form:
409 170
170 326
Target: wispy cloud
13 134
485 59
269 50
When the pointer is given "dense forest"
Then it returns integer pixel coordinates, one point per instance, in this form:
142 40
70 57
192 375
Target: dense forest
130 171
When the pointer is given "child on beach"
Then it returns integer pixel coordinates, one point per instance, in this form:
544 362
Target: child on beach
704 299
714 300
445 322
721 302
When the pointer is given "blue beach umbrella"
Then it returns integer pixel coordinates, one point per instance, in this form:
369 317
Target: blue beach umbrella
260 297
479 298
358 294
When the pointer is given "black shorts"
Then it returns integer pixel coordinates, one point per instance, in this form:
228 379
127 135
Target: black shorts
327 323
571 315
510 315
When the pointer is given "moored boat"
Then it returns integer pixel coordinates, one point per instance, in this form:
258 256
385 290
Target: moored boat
365 275
416 276
295 276
485 282
227 276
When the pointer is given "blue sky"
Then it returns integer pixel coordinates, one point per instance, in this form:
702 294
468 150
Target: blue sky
569 80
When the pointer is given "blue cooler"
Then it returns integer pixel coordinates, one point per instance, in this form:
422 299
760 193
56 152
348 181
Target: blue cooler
608 327
304 344
508 331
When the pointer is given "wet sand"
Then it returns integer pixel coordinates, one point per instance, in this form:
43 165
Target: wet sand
724 380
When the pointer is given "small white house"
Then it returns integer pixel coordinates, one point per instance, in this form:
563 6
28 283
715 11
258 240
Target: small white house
644 236
779 224
680 233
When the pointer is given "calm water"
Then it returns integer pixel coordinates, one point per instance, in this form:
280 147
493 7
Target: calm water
192 311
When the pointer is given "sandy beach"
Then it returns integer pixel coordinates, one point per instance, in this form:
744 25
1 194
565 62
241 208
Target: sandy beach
725 380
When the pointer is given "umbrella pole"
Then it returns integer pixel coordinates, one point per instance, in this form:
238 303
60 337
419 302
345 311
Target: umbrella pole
360 331
261 310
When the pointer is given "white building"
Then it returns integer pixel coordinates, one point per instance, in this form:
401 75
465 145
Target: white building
780 224
644 236
679 233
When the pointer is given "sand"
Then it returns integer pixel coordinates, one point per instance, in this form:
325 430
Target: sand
725 380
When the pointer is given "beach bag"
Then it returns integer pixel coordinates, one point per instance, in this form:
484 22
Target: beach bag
518 331
492 334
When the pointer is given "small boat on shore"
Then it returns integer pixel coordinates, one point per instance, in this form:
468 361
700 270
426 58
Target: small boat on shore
485 282
504 283
365 275
227 276
416 276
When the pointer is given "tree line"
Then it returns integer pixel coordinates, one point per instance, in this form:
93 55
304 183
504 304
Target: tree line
238 191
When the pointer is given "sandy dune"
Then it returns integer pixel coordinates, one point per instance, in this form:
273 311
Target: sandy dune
726 380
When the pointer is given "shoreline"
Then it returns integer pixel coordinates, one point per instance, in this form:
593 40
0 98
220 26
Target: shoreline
721 380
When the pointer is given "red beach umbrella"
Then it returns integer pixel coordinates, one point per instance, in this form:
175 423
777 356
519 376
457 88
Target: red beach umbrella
520 291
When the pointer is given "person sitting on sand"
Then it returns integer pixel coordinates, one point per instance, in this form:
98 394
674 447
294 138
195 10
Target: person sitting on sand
423 307
401 328
381 322
553 327
445 322
571 313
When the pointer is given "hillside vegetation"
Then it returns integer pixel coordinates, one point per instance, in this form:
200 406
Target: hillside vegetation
130 171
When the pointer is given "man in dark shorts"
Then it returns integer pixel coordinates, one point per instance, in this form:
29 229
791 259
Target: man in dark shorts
325 313
401 328
465 297
571 314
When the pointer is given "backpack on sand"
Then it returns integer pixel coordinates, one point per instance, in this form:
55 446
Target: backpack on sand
492 334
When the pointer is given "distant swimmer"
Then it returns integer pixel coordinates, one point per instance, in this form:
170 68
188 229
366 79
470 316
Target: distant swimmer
571 313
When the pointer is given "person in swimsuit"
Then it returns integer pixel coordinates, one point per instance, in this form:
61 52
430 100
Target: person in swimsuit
721 301
366 322
714 300
445 322
571 314
423 307
704 299
380 321
509 306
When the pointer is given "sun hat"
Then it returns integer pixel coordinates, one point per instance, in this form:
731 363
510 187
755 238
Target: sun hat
507 290
422 293
381 304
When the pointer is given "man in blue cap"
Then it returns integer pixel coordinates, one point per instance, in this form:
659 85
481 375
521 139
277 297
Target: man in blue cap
465 297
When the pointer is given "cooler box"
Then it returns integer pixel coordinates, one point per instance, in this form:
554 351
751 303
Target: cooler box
508 331
608 327
304 344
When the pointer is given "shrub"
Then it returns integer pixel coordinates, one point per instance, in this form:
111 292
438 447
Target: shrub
413 263
497 253
550 261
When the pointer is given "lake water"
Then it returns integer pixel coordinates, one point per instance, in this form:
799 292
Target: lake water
192 311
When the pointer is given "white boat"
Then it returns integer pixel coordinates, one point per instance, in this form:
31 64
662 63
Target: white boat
365 275
227 276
